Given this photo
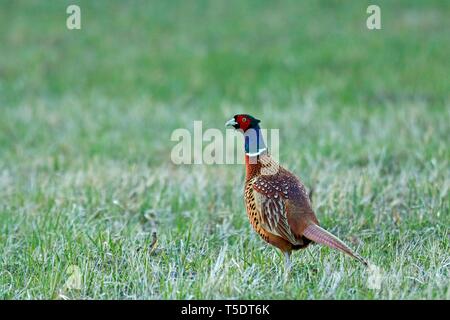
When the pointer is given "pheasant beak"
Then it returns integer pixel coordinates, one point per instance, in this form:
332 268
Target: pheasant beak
232 123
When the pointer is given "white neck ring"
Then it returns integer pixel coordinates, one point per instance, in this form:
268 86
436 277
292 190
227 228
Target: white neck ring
256 153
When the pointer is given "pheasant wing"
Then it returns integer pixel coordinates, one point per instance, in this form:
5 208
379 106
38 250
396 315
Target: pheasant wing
271 201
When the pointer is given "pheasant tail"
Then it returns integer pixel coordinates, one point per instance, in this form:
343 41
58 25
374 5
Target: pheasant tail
317 234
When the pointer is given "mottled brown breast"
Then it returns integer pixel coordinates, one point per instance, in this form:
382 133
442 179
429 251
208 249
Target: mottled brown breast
253 212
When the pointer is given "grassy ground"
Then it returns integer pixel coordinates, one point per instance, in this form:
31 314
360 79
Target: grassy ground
85 125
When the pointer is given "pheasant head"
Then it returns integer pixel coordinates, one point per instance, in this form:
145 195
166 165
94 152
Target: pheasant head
243 122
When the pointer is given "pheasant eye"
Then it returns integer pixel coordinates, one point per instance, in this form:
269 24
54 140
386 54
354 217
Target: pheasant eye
244 119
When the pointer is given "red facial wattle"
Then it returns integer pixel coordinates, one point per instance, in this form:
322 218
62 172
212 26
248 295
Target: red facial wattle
244 122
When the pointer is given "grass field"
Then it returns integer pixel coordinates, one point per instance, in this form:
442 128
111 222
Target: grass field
85 126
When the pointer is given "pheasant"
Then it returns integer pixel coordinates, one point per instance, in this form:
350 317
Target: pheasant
277 203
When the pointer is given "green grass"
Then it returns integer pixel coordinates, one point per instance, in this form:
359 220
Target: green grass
85 125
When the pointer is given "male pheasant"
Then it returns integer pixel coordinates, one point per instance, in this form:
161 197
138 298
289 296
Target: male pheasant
277 202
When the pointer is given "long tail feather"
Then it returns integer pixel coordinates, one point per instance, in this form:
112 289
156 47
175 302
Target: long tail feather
317 234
